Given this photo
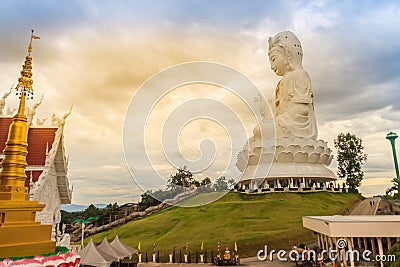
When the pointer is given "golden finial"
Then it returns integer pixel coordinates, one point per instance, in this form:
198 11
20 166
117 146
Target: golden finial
25 80
30 42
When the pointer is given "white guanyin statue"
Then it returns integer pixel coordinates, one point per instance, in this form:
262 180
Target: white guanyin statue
296 153
294 108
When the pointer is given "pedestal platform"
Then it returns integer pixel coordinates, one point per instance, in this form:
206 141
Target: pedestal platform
20 234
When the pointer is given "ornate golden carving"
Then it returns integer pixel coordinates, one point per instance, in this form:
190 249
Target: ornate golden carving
25 80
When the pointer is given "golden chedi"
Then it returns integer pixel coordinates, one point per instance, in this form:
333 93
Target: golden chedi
20 234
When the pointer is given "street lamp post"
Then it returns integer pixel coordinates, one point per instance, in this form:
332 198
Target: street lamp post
83 234
392 137
83 224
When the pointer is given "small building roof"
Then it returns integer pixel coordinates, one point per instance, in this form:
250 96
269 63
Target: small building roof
357 218
354 225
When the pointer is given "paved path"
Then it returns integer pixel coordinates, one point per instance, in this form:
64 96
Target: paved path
275 263
364 208
243 262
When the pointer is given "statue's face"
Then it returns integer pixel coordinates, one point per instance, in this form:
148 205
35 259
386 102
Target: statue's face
278 60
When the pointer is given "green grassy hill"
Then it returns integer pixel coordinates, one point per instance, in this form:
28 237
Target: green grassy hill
249 220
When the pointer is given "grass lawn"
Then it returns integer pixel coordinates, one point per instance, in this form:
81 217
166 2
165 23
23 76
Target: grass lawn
251 221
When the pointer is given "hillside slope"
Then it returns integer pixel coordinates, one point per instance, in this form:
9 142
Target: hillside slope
251 221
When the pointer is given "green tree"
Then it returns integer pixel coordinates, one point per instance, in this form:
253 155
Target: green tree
394 191
395 250
350 158
66 218
220 184
112 206
231 183
183 177
205 185
91 211
148 199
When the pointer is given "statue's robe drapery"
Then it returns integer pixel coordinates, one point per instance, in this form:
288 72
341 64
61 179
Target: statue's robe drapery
294 106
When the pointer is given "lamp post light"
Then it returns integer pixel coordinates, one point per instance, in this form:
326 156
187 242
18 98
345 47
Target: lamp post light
391 137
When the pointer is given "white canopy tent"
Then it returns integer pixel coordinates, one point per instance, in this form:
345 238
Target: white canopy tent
107 248
93 256
121 247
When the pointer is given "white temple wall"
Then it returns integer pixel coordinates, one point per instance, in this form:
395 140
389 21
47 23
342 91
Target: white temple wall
46 192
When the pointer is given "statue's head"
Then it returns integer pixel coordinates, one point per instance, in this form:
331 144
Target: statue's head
285 53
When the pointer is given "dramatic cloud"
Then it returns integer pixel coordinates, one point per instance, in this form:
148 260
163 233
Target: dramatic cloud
96 54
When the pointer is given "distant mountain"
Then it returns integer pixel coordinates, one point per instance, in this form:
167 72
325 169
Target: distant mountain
77 207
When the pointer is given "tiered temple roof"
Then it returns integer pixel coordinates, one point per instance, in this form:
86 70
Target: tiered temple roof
46 146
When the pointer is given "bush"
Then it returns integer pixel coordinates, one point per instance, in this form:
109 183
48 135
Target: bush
395 250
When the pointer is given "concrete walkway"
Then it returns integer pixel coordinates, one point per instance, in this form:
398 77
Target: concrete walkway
364 208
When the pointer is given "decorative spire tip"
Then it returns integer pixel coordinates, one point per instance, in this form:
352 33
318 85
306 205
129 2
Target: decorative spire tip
24 86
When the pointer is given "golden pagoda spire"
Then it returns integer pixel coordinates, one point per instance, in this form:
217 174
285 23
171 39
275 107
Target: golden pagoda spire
12 173
20 234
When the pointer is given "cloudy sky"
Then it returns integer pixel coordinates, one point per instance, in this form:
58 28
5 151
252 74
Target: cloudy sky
96 54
